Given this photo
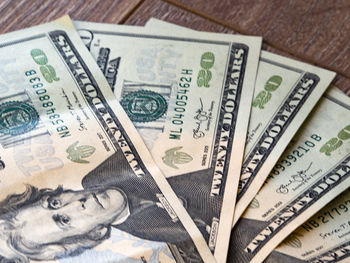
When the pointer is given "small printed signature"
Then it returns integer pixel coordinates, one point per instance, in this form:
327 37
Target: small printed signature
72 110
252 133
297 180
201 117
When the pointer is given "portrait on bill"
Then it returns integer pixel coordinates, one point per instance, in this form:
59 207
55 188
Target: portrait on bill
48 224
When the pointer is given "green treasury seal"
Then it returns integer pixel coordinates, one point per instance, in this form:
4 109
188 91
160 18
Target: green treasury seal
144 105
17 117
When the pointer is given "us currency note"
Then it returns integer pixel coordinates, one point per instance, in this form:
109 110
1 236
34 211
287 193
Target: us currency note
189 96
311 172
77 182
323 238
285 92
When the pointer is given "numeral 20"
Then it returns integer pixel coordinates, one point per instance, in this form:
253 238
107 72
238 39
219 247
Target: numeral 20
47 70
335 143
204 75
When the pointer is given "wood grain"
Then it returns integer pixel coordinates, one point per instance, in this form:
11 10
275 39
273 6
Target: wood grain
315 31
18 14
174 14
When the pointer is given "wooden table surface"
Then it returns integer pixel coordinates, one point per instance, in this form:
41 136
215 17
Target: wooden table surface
315 31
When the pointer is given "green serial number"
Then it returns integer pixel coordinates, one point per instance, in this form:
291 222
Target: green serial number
49 74
180 104
296 154
327 216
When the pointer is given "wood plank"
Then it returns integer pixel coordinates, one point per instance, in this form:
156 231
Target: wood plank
315 31
180 16
23 13
173 14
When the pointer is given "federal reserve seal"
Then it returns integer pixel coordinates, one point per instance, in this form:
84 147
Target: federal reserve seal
17 117
144 105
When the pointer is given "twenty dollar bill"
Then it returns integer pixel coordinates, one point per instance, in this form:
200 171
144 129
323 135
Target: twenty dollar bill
313 170
285 92
76 181
189 97
323 238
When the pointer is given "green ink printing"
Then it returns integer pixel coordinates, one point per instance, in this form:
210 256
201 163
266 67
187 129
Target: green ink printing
174 156
47 70
77 153
144 105
17 117
335 143
205 75
265 95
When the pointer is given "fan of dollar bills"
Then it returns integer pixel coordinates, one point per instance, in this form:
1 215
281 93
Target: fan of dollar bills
163 144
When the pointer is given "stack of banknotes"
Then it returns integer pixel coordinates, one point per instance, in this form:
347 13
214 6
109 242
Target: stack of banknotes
163 144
